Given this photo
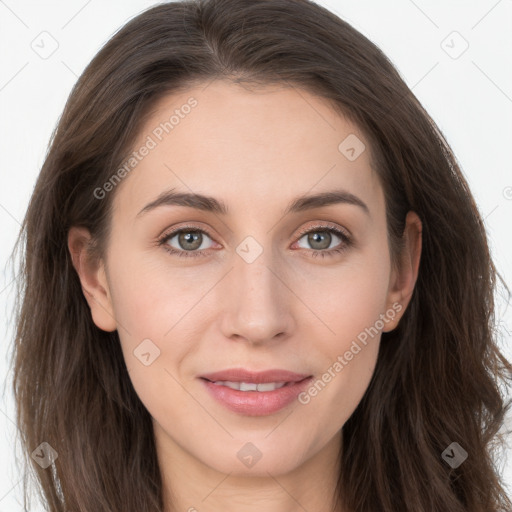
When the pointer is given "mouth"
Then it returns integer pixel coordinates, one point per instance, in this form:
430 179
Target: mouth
250 386
255 393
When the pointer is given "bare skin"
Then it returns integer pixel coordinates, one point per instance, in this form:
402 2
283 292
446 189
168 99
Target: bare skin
255 152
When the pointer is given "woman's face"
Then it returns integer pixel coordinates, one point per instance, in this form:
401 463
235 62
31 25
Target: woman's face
245 287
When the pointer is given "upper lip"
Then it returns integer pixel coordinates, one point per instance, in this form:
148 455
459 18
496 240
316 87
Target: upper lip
243 375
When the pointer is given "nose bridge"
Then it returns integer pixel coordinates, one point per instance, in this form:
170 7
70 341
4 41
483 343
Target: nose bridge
256 307
256 280
253 262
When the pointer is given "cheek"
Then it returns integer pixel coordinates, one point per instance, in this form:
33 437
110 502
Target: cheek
350 304
144 312
151 297
350 297
148 299
150 312
348 349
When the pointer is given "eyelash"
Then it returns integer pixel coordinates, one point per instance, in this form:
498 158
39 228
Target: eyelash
346 241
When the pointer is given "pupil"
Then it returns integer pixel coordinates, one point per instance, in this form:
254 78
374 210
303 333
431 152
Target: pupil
323 236
190 237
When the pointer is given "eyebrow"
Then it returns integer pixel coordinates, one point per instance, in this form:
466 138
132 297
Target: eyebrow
210 204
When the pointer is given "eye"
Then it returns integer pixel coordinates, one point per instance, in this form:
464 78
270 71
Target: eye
320 239
186 240
191 241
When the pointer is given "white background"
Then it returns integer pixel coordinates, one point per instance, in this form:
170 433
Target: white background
470 98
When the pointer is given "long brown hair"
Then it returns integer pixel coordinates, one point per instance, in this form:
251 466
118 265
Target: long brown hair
438 375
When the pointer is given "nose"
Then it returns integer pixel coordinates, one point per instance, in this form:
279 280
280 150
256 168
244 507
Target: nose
257 301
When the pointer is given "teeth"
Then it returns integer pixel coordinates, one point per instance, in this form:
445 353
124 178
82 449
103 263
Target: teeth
250 386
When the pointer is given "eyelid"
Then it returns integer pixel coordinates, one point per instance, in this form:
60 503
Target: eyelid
325 224
342 233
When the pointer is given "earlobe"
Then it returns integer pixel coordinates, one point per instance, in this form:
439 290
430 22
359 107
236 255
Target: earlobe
93 279
403 279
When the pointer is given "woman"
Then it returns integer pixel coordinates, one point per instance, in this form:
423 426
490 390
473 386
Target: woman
254 278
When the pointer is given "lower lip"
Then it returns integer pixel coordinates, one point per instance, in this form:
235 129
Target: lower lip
256 403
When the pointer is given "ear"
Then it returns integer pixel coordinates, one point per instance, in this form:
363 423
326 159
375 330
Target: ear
404 276
93 278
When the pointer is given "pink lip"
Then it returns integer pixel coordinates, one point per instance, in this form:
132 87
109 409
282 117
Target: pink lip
255 403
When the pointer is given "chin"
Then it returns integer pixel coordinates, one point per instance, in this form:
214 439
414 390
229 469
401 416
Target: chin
256 458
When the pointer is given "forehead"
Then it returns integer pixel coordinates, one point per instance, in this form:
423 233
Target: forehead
245 146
